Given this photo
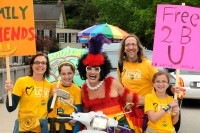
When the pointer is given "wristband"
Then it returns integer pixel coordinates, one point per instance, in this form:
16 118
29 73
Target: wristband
166 108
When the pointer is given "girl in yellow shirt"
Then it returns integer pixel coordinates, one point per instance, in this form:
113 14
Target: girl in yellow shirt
159 106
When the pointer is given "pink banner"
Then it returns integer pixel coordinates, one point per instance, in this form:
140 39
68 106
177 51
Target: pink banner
177 34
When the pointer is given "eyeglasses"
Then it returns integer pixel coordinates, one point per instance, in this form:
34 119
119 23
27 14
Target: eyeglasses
131 44
163 82
96 69
38 62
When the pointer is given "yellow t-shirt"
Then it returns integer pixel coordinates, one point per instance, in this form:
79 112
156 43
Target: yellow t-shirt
34 97
137 77
164 124
62 107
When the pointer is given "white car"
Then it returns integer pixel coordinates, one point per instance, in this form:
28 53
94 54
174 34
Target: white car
191 81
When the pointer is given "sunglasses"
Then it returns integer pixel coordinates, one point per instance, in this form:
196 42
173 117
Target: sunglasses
96 69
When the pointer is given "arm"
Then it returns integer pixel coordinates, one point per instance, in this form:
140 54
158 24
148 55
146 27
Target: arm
15 101
49 104
76 128
155 116
15 98
51 94
175 118
124 93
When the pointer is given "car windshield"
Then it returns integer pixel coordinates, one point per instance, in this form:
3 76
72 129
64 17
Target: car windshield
186 72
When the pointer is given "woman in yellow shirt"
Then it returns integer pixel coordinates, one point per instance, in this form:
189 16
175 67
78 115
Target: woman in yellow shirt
32 94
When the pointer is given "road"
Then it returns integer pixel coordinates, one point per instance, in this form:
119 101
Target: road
189 124
190 116
7 119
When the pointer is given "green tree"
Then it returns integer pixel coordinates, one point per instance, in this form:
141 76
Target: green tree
135 16
88 15
46 44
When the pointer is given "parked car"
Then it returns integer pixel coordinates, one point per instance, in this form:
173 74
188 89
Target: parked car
191 80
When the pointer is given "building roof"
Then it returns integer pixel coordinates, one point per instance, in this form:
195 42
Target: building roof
47 12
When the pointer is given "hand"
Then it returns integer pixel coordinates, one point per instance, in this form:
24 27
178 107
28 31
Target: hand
72 122
8 86
181 95
117 130
174 103
55 90
176 109
176 89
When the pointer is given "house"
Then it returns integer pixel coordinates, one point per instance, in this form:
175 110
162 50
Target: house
50 21
48 18
67 37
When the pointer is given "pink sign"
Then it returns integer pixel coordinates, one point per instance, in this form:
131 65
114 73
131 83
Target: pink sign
177 37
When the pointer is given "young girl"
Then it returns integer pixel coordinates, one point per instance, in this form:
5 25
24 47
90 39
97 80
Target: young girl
66 71
159 106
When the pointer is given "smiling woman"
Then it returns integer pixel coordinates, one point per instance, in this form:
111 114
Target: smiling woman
32 94
102 92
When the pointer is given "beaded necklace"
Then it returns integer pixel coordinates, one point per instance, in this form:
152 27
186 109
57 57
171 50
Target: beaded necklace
95 87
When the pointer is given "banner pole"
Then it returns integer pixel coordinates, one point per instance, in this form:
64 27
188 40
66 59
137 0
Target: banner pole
54 96
8 78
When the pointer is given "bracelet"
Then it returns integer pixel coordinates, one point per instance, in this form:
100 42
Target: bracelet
166 108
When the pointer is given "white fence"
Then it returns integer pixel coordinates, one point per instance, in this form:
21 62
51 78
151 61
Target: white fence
15 73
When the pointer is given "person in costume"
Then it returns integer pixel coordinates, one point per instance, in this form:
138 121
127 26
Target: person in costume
101 92
162 109
66 71
135 72
31 93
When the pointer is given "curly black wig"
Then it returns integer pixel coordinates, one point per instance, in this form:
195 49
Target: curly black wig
105 68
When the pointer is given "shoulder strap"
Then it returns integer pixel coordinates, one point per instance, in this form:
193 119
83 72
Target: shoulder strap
120 66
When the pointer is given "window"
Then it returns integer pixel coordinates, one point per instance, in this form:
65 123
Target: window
15 59
62 37
40 32
67 37
46 33
73 37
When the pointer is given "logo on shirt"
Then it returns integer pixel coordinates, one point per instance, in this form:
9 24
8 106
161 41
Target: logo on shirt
29 90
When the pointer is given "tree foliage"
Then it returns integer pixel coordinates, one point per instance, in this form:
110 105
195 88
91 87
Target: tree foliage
133 16
46 44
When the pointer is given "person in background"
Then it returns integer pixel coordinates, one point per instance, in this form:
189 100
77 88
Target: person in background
162 109
135 72
66 71
101 92
32 94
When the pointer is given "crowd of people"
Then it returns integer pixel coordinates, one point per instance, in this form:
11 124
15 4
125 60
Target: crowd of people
139 83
